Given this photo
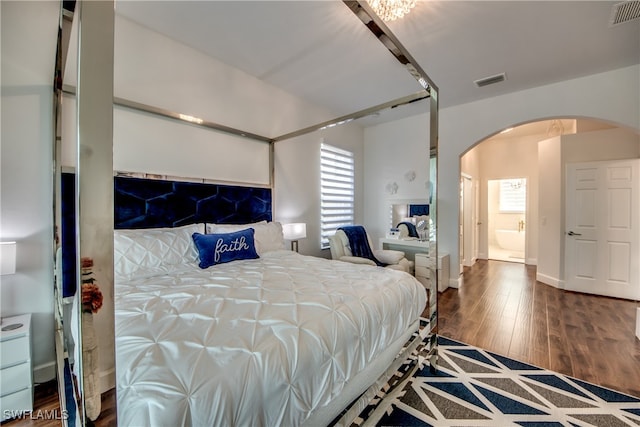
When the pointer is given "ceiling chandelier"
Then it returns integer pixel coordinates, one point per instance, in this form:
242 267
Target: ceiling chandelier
390 10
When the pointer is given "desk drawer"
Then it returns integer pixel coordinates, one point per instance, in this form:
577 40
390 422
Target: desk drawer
422 260
423 272
425 282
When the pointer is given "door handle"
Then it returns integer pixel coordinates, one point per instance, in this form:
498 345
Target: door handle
571 233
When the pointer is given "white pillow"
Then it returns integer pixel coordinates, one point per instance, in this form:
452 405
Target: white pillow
268 235
388 256
152 251
230 228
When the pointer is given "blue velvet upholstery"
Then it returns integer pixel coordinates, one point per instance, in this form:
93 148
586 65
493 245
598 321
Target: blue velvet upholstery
412 228
418 210
225 247
359 243
149 203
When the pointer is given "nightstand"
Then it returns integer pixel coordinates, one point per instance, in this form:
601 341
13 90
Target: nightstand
423 269
16 377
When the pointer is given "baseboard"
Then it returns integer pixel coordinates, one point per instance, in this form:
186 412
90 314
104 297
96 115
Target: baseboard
456 283
531 261
548 280
107 380
47 372
44 372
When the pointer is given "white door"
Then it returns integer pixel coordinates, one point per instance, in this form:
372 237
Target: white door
602 235
467 221
461 224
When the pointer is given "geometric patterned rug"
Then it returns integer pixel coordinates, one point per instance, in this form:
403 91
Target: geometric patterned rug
474 387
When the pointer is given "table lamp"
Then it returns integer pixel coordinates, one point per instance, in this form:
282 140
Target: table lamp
294 231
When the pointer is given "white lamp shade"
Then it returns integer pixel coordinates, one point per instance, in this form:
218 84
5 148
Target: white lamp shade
8 258
294 231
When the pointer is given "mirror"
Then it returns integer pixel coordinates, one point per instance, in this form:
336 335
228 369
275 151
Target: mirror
414 217
83 200
65 288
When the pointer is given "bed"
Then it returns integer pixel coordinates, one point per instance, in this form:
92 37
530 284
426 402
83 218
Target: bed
277 338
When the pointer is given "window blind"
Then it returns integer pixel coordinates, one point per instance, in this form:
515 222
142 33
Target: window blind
337 182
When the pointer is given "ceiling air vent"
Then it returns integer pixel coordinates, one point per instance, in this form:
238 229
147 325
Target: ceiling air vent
624 12
490 80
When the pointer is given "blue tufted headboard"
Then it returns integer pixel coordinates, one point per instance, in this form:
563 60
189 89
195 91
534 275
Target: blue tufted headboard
151 203
416 210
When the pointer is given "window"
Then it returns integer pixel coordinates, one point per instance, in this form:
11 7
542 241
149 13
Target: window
337 182
513 195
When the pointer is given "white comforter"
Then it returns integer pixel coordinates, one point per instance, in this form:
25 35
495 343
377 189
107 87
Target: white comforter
255 342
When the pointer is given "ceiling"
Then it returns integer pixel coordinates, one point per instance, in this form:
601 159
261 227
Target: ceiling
321 52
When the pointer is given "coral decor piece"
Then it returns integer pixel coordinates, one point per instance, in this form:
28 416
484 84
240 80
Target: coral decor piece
91 294
91 303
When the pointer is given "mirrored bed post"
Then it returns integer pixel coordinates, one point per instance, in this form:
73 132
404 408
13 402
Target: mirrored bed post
64 286
433 234
83 209
94 189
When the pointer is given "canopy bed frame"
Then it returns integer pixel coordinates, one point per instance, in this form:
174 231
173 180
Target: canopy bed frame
96 195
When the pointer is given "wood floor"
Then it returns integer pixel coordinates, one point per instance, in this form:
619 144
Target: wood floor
46 409
502 308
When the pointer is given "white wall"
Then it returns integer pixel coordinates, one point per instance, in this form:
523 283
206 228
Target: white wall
612 96
551 246
390 151
297 180
157 145
608 144
29 31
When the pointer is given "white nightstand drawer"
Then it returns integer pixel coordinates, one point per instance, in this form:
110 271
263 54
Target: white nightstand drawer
16 402
14 351
15 378
423 272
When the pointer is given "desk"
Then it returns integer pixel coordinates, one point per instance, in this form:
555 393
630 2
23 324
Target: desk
409 247
413 247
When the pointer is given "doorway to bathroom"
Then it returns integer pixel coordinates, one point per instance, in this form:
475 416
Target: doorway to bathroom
507 226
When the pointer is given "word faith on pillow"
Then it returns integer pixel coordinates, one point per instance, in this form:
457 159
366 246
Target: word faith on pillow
239 244
225 247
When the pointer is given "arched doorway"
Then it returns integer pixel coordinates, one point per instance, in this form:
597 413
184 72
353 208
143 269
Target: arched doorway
538 152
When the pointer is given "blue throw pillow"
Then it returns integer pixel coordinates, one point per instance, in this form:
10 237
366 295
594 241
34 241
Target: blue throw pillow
220 248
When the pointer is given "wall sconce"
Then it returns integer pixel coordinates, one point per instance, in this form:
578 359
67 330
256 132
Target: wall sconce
294 231
7 258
